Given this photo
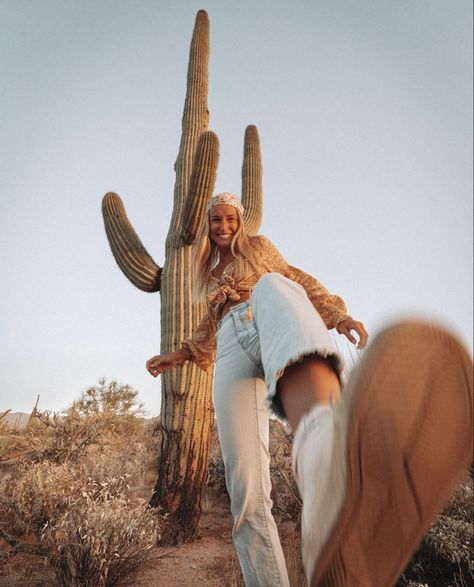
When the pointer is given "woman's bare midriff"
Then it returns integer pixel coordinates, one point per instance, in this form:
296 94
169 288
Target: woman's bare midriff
244 296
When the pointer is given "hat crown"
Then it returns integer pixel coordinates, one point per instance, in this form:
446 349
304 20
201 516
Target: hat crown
225 198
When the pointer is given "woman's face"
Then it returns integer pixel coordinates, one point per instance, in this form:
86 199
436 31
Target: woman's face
223 223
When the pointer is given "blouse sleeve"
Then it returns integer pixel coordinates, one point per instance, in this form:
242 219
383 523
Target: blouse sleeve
202 345
271 258
330 307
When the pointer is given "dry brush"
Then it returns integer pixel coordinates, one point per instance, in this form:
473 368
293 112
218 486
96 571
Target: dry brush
66 497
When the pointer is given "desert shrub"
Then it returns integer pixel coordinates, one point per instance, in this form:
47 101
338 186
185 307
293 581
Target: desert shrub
3 422
446 556
65 492
285 495
128 457
101 544
36 492
215 473
152 434
114 403
4 433
10 431
86 526
105 414
30 496
57 438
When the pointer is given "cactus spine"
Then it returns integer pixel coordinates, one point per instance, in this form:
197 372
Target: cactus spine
186 409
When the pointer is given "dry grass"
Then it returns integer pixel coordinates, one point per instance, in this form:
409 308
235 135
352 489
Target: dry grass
53 437
446 556
101 544
285 494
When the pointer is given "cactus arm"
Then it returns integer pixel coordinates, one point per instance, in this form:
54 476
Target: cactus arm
252 180
201 185
131 256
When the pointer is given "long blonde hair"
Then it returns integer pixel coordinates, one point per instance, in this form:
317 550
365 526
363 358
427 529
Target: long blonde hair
206 256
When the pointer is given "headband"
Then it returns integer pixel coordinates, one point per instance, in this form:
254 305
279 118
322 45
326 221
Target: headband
225 198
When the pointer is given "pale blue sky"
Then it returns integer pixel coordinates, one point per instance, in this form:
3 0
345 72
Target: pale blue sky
364 110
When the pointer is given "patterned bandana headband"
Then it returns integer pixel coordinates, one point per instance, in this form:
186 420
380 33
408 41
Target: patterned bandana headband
225 198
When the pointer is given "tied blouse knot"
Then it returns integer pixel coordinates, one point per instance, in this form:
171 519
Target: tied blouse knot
202 345
224 291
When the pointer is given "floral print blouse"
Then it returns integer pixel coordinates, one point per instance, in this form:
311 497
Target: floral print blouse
202 345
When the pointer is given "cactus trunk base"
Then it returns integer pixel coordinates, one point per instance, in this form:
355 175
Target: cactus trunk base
181 498
186 422
182 501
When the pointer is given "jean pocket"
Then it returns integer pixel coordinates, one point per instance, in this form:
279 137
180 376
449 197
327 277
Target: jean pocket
250 341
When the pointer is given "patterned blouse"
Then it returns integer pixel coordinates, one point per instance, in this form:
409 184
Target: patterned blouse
202 345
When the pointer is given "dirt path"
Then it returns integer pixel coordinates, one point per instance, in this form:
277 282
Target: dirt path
210 560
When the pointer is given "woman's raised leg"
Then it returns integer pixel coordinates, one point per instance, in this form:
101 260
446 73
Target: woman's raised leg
305 384
293 335
374 470
302 371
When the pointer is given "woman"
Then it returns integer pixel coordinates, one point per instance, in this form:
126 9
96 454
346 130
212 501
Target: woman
229 265
267 332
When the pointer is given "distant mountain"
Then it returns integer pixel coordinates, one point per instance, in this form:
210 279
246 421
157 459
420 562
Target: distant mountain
16 419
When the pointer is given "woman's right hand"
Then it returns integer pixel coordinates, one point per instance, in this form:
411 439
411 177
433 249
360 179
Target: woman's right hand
161 363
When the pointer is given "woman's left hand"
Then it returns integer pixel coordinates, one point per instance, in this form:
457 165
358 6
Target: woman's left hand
345 326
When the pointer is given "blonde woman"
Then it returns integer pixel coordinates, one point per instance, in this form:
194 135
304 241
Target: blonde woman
266 330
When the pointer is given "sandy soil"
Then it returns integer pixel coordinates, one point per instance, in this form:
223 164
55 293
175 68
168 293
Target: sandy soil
210 560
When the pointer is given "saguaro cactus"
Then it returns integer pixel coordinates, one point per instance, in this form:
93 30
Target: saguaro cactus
186 409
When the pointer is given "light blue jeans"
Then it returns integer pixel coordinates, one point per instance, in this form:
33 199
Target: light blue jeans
252 353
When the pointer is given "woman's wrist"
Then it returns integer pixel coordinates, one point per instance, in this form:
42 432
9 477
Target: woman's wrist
182 355
339 322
